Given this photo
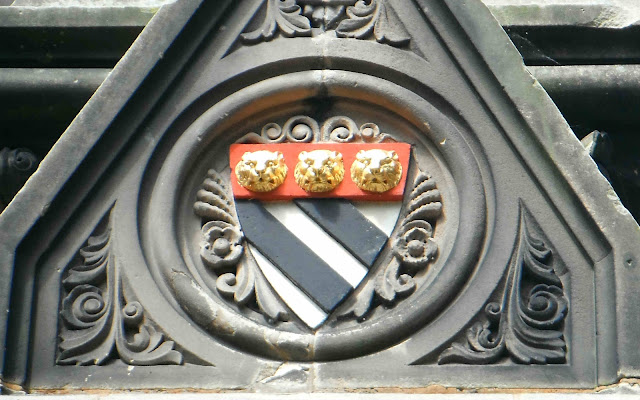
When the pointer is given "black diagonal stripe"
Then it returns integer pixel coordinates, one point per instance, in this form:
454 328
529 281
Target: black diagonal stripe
342 220
299 263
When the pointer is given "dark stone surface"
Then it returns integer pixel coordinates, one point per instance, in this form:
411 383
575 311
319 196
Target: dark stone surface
16 166
75 37
39 104
575 45
52 175
593 97
552 33
534 248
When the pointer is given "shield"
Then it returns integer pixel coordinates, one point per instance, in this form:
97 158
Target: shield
314 252
309 217
314 246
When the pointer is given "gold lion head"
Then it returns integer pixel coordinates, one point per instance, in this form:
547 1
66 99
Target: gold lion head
319 170
261 171
376 170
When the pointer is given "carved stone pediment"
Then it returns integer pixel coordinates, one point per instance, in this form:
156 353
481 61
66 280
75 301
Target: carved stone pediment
458 234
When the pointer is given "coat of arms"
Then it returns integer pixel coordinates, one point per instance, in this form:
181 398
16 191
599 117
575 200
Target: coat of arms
313 221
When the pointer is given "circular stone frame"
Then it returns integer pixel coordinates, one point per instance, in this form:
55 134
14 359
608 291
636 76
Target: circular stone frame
466 217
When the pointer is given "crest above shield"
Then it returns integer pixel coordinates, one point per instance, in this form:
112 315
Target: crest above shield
135 248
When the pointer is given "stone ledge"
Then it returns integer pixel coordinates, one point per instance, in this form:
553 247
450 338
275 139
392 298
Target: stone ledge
75 16
587 13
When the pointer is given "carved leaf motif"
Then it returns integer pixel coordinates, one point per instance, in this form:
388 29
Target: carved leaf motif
425 201
392 283
222 248
141 344
213 202
95 327
326 15
528 327
95 262
413 250
284 16
369 18
332 15
247 285
269 302
362 19
240 285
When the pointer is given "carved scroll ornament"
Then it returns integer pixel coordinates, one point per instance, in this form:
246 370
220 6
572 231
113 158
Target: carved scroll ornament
526 325
99 324
222 247
357 19
413 250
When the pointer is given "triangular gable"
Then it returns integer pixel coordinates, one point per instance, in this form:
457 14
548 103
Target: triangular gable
506 230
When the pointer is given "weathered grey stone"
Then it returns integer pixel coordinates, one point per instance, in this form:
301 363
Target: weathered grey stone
38 103
16 165
90 3
610 14
599 95
75 16
536 257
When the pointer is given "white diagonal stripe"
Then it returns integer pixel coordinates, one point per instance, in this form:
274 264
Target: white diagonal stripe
323 245
305 308
384 215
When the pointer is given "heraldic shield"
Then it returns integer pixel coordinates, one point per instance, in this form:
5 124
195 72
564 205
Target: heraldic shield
308 214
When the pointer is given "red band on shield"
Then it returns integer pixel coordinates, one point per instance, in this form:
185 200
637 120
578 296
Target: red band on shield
347 189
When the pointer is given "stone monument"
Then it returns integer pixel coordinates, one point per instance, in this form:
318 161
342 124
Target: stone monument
308 196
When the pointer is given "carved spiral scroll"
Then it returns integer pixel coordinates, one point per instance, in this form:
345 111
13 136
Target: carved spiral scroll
301 129
339 130
527 325
304 129
99 322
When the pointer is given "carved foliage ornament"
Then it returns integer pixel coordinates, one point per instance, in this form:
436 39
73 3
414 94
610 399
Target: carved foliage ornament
304 129
98 323
413 250
281 16
527 324
222 247
358 19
